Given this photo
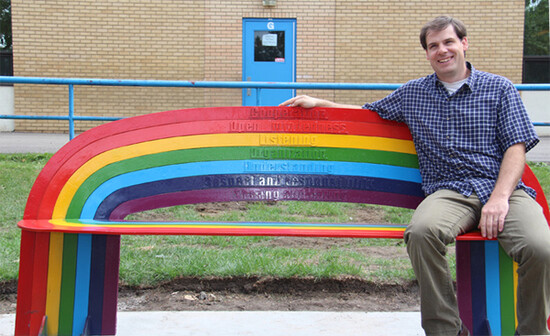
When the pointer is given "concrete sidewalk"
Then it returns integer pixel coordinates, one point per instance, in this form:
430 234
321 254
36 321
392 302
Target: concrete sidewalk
50 143
11 142
257 323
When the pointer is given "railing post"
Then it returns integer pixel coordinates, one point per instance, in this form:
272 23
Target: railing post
258 99
71 111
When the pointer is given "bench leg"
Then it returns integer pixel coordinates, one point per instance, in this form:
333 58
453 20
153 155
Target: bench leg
486 287
31 288
70 278
96 284
104 284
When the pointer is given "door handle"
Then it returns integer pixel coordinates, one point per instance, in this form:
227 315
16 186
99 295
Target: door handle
248 91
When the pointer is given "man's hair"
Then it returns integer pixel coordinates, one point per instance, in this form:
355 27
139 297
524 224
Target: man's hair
440 23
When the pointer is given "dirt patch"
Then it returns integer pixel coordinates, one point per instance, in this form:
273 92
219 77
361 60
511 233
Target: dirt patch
8 290
262 293
256 294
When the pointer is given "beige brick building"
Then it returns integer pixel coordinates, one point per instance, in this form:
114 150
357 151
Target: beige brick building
363 41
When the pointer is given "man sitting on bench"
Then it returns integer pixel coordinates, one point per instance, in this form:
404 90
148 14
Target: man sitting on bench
471 132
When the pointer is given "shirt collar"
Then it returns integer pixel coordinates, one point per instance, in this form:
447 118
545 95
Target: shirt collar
470 81
472 78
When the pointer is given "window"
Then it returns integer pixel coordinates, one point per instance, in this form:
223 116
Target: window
269 46
6 54
6 63
536 45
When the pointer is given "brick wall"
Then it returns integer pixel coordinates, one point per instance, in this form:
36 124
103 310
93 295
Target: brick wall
337 41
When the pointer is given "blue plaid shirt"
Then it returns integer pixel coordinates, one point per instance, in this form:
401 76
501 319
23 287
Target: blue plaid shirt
461 138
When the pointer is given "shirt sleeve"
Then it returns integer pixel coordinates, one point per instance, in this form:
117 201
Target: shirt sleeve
513 124
389 107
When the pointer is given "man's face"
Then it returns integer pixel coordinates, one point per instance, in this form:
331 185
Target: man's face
445 52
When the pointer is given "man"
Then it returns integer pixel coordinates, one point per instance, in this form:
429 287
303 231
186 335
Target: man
471 132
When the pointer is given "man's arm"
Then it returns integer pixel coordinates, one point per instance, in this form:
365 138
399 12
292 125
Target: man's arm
495 210
310 102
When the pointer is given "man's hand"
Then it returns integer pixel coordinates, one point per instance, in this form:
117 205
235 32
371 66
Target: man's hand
302 101
310 102
493 214
495 210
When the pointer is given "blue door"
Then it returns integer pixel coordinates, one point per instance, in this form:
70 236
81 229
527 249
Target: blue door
268 56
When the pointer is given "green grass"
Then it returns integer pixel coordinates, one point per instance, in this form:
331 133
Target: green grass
542 171
17 174
148 260
247 256
172 261
167 257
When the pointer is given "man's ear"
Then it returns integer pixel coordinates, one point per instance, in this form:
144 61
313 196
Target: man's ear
464 43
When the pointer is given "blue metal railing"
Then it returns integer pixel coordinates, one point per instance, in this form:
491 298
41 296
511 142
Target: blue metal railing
71 82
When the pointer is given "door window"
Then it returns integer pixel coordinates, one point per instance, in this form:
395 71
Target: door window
269 46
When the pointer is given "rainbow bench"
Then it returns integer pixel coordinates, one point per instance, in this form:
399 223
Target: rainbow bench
70 245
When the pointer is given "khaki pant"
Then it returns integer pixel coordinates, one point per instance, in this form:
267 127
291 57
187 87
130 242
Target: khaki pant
526 238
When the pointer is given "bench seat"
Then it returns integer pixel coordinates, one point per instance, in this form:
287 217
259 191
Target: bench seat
300 229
